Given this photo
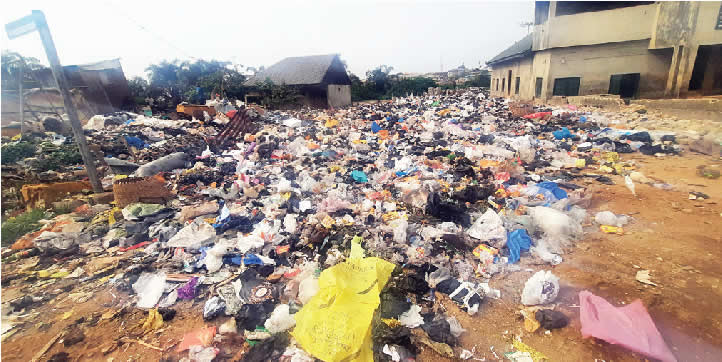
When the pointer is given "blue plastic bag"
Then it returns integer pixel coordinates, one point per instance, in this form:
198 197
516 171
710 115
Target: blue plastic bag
517 241
359 176
554 188
562 133
375 128
135 142
252 259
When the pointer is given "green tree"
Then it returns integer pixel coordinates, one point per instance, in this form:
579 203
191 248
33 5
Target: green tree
379 77
139 87
276 96
11 64
482 80
176 81
408 86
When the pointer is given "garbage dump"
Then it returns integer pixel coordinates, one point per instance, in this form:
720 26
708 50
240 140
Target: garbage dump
332 235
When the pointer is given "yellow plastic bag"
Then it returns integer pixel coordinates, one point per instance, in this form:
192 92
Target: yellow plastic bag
154 320
335 324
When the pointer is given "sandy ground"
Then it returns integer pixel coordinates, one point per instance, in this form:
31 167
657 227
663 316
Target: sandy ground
677 239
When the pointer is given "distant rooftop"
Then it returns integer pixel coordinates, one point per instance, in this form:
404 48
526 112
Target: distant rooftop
306 70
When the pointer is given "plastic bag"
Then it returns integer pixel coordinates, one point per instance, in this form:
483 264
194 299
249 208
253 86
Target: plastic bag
359 176
609 218
455 327
629 326
343 309
193 236
154 320
541 250
517 241
280 319
163 164
149 288
202 354
541 288
412 318
213 308
554 223
199 337
488 226
214 257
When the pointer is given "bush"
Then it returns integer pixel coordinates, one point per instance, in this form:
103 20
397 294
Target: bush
14 152
15 227
65 155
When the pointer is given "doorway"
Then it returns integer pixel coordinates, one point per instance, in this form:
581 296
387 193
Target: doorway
624 85
707 74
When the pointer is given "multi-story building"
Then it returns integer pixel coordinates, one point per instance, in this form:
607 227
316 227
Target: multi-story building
633 49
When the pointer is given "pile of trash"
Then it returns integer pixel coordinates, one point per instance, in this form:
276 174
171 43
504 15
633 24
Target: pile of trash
336 234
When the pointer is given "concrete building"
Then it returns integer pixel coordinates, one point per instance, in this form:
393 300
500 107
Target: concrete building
321 79
632 49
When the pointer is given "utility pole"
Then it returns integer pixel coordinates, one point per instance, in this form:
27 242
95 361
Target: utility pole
36 21
21 96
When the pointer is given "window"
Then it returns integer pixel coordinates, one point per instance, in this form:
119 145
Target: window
625 85
566 86
497 83
538 87
503 83
508 79
719 19
516 86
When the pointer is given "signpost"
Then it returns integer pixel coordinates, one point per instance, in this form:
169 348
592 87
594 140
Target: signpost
36 22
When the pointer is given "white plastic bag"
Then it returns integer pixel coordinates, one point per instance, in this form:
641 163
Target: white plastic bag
609 218
554 223
488 226
280 319
412 318
541 288
455 327
149 288
193 236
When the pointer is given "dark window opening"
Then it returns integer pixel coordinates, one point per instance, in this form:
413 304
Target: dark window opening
541 12
503 83
538 87
719 19
566 86
508 85
625 85
516 86
576 7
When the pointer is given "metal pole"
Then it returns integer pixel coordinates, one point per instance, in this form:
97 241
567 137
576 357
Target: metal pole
59 74
22 99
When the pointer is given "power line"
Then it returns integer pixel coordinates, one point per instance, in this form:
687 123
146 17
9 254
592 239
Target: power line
159 37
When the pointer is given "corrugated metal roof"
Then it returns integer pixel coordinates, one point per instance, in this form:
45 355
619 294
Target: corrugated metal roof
519 48
296 70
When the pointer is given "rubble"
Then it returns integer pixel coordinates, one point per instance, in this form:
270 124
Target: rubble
329 233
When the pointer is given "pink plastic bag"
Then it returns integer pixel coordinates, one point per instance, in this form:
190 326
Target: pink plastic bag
629 326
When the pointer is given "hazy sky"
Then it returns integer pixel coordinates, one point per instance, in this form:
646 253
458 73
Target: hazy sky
410 36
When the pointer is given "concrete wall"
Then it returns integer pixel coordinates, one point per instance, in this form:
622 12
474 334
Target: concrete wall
608 26
541 67
684 27
595 64
521 68
339 95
